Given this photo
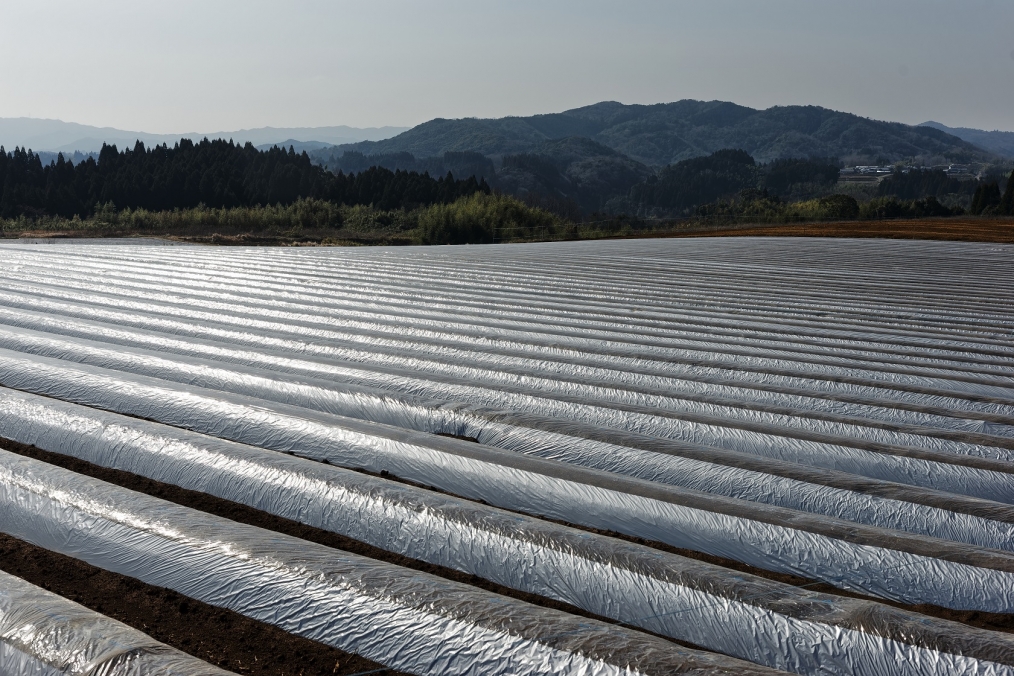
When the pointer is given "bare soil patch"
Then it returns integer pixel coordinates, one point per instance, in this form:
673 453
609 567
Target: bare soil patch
243 514
957 228
255 517
221 637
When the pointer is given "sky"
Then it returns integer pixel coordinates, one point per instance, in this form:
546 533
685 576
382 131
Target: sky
208 65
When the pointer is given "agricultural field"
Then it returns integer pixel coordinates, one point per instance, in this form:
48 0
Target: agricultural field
955 228
728 455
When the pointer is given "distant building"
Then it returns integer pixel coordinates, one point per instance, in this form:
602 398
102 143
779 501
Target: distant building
865 173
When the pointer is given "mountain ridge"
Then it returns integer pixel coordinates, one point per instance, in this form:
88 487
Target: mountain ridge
661 134
50 135
996 141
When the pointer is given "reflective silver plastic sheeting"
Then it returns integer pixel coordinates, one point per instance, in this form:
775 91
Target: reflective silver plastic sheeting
42 634
404 619
837 409
762 428
890 564
238 312
739 475
746 617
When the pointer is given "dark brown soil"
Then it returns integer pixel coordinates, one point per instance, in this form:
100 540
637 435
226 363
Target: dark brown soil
254 517
974 618
223 638
249 515
194 235
954 228
963 229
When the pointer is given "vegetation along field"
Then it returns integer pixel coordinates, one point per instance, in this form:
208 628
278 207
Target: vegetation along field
583 174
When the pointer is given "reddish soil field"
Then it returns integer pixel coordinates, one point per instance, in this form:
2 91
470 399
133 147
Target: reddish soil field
961 229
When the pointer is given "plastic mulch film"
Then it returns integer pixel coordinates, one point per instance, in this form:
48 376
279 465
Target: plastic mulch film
736 614
582 362
740 475
401 618
626 379
383 326
890 564
42 634
147 279
952 461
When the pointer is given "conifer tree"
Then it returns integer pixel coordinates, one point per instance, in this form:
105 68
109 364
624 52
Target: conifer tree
216 174
986 195
1007 201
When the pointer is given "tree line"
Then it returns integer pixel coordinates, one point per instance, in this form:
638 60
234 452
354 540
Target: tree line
217 174
730 184
679 188
988 200
919 183
223 175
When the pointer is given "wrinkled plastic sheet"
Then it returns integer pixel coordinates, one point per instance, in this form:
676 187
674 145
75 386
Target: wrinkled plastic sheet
695 377
745 617
42 634
862 450
617 331
890 564
625 374
889 369
434 279
743 476
877 330
586 266
797 399
511 353
399 617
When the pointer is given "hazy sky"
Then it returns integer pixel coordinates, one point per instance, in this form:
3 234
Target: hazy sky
219 65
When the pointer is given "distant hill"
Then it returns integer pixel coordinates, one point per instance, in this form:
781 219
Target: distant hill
573 172
661 134
998 142
72 157
296 145
66 137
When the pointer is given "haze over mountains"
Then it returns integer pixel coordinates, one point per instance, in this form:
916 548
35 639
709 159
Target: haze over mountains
57 136
653 135
999 142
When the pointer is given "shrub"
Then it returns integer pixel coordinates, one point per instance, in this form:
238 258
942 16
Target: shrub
889 207
483 218
829 208
986 195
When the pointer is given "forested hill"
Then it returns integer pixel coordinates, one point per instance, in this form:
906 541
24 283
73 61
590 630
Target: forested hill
213 173
665 133
999 142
